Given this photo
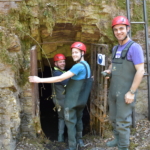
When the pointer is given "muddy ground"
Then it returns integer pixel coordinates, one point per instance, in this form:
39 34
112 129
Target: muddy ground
139 140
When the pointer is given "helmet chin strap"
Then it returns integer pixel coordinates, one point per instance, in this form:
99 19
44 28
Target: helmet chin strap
124 38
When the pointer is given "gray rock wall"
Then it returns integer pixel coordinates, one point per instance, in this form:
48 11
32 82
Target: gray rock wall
15 100
87 22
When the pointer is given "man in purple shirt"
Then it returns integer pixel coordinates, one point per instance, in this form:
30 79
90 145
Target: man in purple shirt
126 69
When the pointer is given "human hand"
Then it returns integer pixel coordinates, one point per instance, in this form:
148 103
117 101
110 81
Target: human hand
106 74
34 79
129 97
92 77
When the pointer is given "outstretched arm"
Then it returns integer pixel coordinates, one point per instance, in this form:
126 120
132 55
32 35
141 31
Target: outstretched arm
60 78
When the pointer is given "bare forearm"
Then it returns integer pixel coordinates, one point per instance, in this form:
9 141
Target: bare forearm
51 80
110 67
63 77
137 79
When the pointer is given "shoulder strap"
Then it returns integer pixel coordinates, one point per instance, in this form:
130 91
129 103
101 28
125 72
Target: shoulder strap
86 70
57 69
126 49
114 52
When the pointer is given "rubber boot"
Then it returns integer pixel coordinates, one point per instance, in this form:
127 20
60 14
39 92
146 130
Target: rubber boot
72 146
71 149
114 142
123 148
80 142
61 127
79 139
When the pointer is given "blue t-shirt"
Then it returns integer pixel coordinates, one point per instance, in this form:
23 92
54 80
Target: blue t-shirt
135 53
80 71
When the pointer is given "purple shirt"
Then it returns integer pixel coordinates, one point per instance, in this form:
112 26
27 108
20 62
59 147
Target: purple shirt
135 53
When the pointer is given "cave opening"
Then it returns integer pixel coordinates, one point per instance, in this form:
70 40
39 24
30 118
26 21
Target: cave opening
63 35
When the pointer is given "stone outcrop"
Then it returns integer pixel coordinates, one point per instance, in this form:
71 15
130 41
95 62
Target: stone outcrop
15 102
53 26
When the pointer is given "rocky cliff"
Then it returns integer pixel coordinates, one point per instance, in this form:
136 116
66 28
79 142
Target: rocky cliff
52 25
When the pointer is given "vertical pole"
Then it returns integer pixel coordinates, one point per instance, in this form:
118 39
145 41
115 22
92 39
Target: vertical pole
128 14
147 55
91 96
34 86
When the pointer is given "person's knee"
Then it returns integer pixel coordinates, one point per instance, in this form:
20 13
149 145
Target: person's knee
123 125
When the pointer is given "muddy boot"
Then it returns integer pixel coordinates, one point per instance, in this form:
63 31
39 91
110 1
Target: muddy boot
114 142
80 142
61 126
123 148
72 146
79 139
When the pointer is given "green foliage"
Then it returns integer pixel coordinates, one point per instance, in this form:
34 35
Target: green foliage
137 17
148 11
23 78
132 146
1 35
133 130
121 4
147 147
82 1
49 18
5 57
24 13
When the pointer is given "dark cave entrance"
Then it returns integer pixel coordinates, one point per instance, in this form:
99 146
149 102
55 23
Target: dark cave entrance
63 36
49 118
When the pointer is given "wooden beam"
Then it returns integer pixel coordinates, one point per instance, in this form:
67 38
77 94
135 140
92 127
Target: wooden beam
34 86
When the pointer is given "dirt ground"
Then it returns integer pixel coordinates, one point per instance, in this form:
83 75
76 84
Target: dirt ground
139 140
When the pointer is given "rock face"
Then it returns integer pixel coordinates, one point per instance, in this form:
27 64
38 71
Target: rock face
15 103
53 26
6 6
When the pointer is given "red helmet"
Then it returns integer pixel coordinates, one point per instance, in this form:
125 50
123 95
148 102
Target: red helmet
79 45
120 20
59 57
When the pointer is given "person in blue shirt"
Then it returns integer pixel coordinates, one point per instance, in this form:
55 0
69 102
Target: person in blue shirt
77 92
58 93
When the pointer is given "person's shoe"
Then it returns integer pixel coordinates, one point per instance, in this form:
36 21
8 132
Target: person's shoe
114 142
61 138
71 146
70 149
123 148
80 142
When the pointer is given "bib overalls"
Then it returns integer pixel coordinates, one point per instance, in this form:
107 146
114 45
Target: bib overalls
123 72
59 100
77 93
